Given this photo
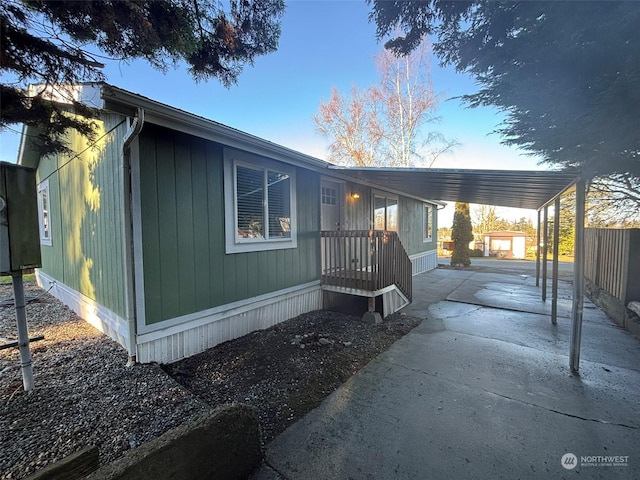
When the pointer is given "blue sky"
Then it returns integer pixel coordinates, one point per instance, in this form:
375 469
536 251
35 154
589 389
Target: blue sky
324 43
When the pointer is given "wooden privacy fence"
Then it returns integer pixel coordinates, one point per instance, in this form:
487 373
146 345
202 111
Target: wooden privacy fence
612 268
365 260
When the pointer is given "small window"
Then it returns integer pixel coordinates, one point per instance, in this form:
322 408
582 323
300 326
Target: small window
385 213
500 244
329 196
428 223
259 203
44 213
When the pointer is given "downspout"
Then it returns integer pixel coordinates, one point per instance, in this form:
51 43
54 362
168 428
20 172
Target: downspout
132 134
134 129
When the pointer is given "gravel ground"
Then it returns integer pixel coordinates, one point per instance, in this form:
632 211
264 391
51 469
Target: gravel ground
86 395
84 392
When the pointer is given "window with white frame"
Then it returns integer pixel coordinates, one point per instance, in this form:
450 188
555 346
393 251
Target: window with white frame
385 212
44 213
329 196
501 244
259 203
427 222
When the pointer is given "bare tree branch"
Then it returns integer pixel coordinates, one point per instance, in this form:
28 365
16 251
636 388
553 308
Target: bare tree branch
385 124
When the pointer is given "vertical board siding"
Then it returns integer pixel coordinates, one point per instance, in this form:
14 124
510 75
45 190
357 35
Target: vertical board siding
412 225
358 212
359 216
186 269
87 251
612 261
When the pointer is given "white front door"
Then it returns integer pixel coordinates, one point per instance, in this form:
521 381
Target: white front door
331 205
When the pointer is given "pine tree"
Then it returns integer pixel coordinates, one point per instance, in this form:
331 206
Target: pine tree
566 77
63 42
461 234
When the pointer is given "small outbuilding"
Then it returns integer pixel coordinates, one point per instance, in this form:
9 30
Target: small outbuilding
505 244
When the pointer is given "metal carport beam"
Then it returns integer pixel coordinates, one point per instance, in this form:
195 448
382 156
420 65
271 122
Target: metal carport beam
554 275
545 251
578 279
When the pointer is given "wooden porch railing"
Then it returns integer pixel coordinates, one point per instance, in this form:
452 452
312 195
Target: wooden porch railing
365 259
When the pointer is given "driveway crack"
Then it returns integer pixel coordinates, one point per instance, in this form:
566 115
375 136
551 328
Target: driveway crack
570 415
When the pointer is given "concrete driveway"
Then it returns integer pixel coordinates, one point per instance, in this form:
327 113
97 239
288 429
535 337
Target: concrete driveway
478 392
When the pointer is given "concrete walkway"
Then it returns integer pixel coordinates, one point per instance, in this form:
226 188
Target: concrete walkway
477 392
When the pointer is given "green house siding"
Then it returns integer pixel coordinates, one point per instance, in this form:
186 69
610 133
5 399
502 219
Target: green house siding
412 226
359 216
186 269
86 253
358 212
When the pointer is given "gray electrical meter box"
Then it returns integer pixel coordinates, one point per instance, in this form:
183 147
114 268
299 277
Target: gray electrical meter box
19 227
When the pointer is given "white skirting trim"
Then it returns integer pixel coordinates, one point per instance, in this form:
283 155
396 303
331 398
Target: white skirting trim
392 301
423 262
91 311
192 339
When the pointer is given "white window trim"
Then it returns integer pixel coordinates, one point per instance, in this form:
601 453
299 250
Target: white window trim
427 209
44 187
233 244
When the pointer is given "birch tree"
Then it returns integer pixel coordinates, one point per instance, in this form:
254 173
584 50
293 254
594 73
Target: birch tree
386 124
354 126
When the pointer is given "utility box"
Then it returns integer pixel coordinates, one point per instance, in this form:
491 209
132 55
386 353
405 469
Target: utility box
19 228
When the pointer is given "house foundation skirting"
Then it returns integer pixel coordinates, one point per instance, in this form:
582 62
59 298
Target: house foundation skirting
188 339
392 298
392 301
423 262
91 311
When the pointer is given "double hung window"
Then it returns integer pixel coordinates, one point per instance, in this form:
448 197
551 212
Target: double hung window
260 203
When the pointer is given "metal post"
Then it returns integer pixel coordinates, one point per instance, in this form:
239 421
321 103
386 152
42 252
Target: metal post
578 279
538 251
545 251
23 333
556 241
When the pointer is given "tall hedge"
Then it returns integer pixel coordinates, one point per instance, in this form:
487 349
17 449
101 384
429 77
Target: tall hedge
461 234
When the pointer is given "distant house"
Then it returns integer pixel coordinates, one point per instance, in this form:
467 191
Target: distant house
173 233
505 244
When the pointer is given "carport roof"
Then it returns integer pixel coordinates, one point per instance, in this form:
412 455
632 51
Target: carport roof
507 188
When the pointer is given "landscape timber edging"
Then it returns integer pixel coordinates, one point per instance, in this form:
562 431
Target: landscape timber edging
222 444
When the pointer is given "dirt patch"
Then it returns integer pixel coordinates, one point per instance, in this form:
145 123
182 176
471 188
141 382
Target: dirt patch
287 370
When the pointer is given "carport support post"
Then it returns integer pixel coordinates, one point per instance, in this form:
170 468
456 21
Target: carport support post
556 241
545 250
578 279
538 251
